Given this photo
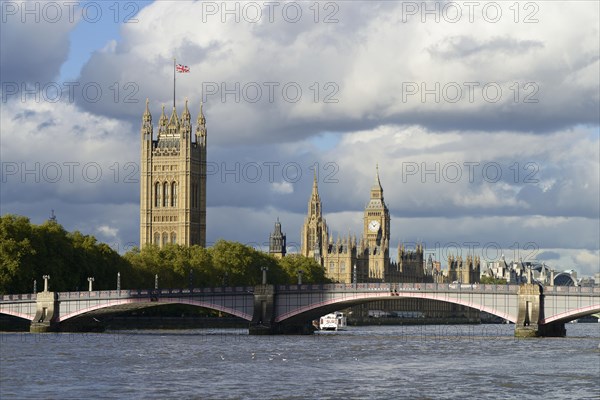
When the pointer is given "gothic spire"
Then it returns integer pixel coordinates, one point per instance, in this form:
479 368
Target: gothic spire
201 121
377 184
147 117
315 188
185 116
174 120
163 118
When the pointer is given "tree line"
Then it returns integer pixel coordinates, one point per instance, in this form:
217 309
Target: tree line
29 251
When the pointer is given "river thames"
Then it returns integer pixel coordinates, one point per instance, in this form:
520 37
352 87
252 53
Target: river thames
400 362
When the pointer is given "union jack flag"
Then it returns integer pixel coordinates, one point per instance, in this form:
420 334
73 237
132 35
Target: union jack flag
182 68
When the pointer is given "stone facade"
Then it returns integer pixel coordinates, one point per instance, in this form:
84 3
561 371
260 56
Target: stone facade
369 257
173 180
464 271
277 242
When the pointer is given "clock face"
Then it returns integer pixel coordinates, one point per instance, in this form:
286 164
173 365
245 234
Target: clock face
374 226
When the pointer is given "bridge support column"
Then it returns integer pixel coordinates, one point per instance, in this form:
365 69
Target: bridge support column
530 304
264 309
531 312
556 329
47 313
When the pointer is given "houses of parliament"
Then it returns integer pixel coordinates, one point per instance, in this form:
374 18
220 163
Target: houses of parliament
347 259
173 179
173 210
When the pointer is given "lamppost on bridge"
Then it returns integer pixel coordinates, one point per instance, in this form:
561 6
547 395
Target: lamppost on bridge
34 286
156 282
226 278
300 272
264 274
354 277
90 280
46 278
118 281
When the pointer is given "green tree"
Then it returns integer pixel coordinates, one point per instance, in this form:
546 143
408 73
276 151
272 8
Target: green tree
312 272
28 251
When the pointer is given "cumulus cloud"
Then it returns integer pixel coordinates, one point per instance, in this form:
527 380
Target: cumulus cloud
282 187
108 231
480 76
524 176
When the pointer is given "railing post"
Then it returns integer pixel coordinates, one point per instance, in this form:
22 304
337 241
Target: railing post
264 274
46 278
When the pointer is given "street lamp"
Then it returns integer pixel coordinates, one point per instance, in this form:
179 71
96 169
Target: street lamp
354 277
300 272
118 281
46 278
264 274
34 286
90 280
156 281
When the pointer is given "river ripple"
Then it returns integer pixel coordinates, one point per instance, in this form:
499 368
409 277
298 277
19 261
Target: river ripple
371 362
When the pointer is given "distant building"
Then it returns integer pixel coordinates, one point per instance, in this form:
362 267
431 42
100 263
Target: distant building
369 257
464 271
516 273
277 239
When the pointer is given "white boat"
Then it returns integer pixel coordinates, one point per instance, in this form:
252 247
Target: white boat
333 322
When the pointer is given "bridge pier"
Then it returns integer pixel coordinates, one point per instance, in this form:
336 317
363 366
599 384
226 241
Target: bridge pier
556 329
264 309
263 320
47 313
531 312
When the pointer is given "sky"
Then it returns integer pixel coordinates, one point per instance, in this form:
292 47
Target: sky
483 118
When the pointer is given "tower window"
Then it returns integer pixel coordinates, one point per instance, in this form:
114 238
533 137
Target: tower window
156 194
193 195
165 198
173 237
157 239
174 194
165 238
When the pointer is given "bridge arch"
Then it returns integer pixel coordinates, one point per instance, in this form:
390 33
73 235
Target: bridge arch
121 305
572 314
315 310
17 314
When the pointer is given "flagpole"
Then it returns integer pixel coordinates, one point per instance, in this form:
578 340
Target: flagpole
173 82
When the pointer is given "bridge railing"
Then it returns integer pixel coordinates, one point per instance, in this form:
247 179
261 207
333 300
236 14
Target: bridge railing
395 287
571 289
14 297
151 292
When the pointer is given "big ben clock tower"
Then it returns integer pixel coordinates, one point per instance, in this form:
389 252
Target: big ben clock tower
377 231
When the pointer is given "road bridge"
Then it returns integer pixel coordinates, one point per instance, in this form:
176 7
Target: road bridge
270 309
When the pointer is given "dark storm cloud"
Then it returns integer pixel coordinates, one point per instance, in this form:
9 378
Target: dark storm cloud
33 51
548 255
459 47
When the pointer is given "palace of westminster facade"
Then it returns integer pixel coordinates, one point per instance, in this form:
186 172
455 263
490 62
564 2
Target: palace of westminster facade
173 179
347 259
173 210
